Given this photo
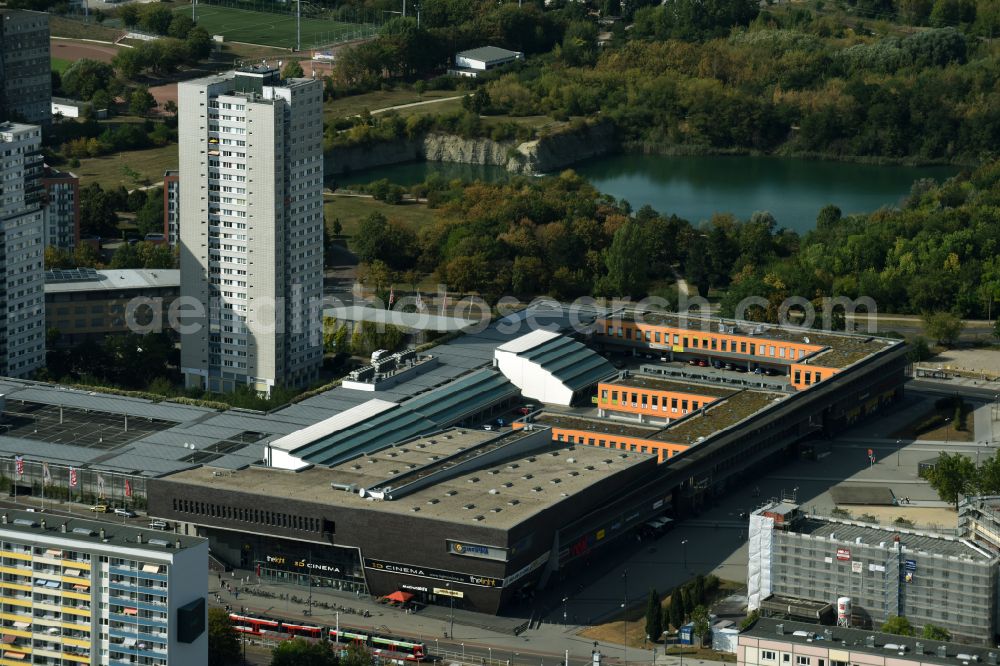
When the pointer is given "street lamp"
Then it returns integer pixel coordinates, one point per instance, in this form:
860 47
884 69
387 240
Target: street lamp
947 433
451 602
565 600
625 606
897 451
684 552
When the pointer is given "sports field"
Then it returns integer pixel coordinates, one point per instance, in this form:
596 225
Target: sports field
271 29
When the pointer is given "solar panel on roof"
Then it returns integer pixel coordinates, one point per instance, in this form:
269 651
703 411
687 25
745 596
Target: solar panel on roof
72 275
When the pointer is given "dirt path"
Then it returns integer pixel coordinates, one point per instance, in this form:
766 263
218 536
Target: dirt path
73 50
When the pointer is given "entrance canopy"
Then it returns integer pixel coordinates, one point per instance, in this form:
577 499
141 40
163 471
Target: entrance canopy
400 596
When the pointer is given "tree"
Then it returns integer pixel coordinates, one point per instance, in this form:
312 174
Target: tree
180 26
699 589
951 476
686 604
223 648
357 655
129 14
97 212
900 626
626 262
945 327
300 652
653 616
933 632
85 77
676 609
293 70
702 623
828 217
156 18
141 102
988 477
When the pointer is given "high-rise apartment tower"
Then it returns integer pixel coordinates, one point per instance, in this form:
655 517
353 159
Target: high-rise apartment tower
251 164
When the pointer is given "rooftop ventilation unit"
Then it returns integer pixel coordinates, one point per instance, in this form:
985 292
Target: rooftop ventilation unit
433 500
513 502
451 493
496 509
469 506
528 476
942 651
479 519
159 542
85 531
415 509
24 522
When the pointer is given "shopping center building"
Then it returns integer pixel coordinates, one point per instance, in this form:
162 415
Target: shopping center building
513 453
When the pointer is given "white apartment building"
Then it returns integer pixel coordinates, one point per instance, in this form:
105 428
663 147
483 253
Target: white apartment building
22 234
88 592
251 161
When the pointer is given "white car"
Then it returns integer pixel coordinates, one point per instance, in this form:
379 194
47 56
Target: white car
125 513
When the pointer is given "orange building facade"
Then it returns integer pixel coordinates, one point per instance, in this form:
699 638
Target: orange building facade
649 401
727 346
607 440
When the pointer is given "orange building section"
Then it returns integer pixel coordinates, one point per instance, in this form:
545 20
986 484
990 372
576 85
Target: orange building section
663 450
650 402
746 348
802 376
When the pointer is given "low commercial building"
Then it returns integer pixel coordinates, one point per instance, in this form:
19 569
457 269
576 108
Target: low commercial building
782 643
463 516
84 303
473 62
74 108
925 577
81 591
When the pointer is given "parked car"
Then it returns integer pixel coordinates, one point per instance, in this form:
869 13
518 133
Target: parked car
100 508
126 513
771 372
159 525
702 363
717 365
693 361
729 366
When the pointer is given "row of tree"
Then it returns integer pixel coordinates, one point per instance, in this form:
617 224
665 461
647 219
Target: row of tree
688 602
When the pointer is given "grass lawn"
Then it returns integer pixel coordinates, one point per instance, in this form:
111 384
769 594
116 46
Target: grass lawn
108 171
63 27
945 432
351 210
271 29
60 64
380 99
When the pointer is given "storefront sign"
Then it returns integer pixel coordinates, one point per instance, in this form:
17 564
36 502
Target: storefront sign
415 588
438 574
657 504
477 550
876 567
844 554
447 592
527 569
287 564
856 566
910 565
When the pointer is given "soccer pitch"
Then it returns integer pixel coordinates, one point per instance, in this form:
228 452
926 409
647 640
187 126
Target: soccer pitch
269 29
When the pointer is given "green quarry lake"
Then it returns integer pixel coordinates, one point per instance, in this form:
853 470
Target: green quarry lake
696 187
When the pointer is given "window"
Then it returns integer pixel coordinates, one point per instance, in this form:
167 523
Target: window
767 655
786 658
798 376
802 661
743 348
657 337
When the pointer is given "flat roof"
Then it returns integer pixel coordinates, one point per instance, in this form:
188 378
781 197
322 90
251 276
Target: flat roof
657 384
488 54
500 495
415 321
718 416
843 349
61 281
87 533
595 425
856 640
874 535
